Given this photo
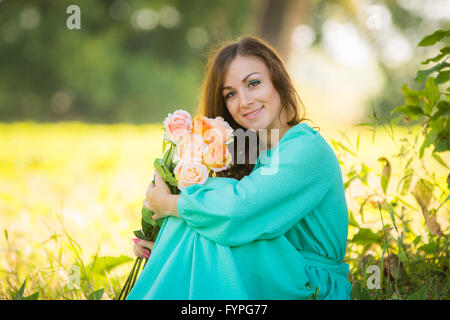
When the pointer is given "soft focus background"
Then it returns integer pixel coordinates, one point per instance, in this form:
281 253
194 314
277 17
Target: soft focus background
81 113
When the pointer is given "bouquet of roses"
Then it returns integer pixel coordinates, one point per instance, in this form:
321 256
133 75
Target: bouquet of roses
197 150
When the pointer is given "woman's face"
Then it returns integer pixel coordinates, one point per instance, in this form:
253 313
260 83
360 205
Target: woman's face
250 96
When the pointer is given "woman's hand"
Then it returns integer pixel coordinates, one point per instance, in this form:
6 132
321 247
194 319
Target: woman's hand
160 200
140 246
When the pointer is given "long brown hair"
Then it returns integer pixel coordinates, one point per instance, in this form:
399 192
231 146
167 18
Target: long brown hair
212 103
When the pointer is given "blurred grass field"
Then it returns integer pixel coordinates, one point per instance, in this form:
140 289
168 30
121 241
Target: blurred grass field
73 191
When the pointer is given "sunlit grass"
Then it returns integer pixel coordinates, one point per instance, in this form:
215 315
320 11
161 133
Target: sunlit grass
71 191
91 179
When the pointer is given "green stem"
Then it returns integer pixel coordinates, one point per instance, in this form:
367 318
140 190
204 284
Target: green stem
124 293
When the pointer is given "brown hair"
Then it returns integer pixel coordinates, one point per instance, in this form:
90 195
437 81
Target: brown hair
212 103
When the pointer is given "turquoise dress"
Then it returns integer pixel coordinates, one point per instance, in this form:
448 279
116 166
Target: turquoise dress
278 233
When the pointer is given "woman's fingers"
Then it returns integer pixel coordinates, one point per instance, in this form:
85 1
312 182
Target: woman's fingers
138 251
148 193
141 252
144 243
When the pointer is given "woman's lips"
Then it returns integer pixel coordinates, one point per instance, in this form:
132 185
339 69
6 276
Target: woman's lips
254 114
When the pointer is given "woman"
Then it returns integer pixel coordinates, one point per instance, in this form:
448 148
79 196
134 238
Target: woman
256 234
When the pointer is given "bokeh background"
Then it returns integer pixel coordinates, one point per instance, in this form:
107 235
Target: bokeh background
133 61
81 110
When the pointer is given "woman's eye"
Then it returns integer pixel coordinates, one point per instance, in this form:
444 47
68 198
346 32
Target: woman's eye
254 83
229 95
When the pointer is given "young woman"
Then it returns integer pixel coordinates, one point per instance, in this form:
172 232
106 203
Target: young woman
256 233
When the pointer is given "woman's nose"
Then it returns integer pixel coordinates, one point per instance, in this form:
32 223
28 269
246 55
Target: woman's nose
246 99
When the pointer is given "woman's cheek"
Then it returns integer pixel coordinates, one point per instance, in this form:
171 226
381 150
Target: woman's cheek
232 108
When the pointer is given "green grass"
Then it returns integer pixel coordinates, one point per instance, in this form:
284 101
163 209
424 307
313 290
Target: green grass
71 194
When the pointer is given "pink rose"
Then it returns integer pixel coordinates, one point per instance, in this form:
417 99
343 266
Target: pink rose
177 126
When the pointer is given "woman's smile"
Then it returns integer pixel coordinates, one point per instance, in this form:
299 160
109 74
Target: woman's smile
253 114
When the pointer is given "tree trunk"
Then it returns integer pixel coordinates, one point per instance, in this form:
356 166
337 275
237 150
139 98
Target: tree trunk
276 19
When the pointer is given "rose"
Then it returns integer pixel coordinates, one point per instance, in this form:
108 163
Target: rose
221 130
218 157
191 148
177 125
190 172
201 124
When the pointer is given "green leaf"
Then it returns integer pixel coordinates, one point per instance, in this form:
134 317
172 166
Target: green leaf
443 105
366 236
96 295
386 173
164 144
413 112
146 215
338 144
139 234
391 214
352 220
443 76
19 293
167 157
442 144
171 180
432 94
411 96
34 296
406 181
347 183
429 139
439 160
168 161
443 109
359 293
364 173
423 74
423 192
105 264
146 226
443 52
165 173
420 294
429 248
433 38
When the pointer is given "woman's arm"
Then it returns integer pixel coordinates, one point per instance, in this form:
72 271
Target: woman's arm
261 206
160 200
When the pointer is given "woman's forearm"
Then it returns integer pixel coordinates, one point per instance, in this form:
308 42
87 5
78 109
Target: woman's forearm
173 205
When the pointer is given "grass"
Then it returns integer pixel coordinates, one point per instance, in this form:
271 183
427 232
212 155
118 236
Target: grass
71 194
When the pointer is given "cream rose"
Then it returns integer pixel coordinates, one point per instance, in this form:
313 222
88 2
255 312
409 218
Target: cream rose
191 148
218 157
220 125
177 126
190 172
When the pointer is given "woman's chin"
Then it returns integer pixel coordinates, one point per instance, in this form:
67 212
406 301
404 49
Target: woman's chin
254 125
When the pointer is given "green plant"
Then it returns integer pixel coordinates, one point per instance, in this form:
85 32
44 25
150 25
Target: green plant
414 265
431 105
18 295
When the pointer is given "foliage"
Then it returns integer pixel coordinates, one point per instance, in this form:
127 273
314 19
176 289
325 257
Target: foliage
430 105
414 263
18 295
413 260
110 70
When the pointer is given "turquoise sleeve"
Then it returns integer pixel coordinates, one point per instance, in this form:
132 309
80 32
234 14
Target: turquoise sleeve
261 205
